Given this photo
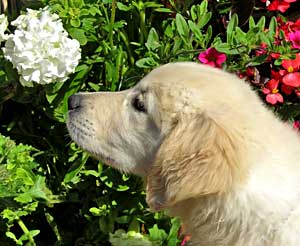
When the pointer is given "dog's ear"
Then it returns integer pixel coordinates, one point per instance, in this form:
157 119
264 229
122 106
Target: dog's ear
197 158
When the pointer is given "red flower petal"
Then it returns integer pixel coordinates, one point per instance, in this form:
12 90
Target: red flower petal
279 5
274 98
287 90
279 97
294 37
296 124
290 65
283 7
272 84
276 75
266 91
282 72
275 55
292 79
212 57
250 71
296 26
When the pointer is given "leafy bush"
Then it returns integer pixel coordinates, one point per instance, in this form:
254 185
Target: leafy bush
53 193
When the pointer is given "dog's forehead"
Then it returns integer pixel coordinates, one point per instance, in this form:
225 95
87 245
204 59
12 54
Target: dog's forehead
182 74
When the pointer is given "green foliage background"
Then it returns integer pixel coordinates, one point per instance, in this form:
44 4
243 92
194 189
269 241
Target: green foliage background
53 193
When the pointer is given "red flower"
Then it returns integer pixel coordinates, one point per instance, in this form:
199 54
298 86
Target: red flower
281 5
185 240
295 26
288 26
212 57
250 71
291 65
294 37
292 79
296 125
272 92
277 75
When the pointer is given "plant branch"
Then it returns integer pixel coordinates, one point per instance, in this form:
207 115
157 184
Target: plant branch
26 232
112 22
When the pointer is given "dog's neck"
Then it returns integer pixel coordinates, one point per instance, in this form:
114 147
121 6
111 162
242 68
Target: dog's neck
231 220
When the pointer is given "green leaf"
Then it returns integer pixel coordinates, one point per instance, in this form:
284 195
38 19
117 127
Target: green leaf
261 23
134 225
147 62
52 91
258 60
106 224
24 198
75 168
172 237
251 22
289 111
182 27
227 49
194 13
101 211
150 4
233 23
169 31
76 3
272 29
153 40
123 219
13 237
25 176
75 22
163 10
196 30
204 19
94 10
273 25
123 7
32 233
208 36
241 36
157 234
203 7
123 188
79 35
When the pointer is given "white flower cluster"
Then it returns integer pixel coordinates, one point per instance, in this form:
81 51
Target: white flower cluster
3 27
40 49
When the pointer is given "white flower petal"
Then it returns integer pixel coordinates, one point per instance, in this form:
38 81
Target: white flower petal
40 49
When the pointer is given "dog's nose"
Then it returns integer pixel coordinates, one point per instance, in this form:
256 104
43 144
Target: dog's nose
74 102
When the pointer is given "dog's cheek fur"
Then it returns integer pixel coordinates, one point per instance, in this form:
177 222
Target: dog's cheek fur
198 158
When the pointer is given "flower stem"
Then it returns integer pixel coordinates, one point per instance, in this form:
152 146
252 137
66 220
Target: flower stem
26 232
142 23
112 22
13 7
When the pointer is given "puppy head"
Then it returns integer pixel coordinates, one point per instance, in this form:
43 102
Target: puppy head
172 127
116 128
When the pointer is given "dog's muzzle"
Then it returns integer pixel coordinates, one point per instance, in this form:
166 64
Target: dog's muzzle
74 102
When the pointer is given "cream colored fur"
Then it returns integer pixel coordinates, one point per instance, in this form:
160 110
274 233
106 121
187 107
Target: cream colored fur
210 151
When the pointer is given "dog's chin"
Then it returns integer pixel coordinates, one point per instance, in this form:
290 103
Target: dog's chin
85 138
120 165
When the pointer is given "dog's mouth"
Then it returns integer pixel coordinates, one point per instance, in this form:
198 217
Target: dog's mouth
82 134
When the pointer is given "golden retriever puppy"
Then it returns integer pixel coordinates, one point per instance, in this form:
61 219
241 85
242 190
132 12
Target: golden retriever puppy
210 151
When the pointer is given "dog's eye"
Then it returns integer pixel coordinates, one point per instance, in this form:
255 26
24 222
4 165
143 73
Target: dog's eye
138 104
